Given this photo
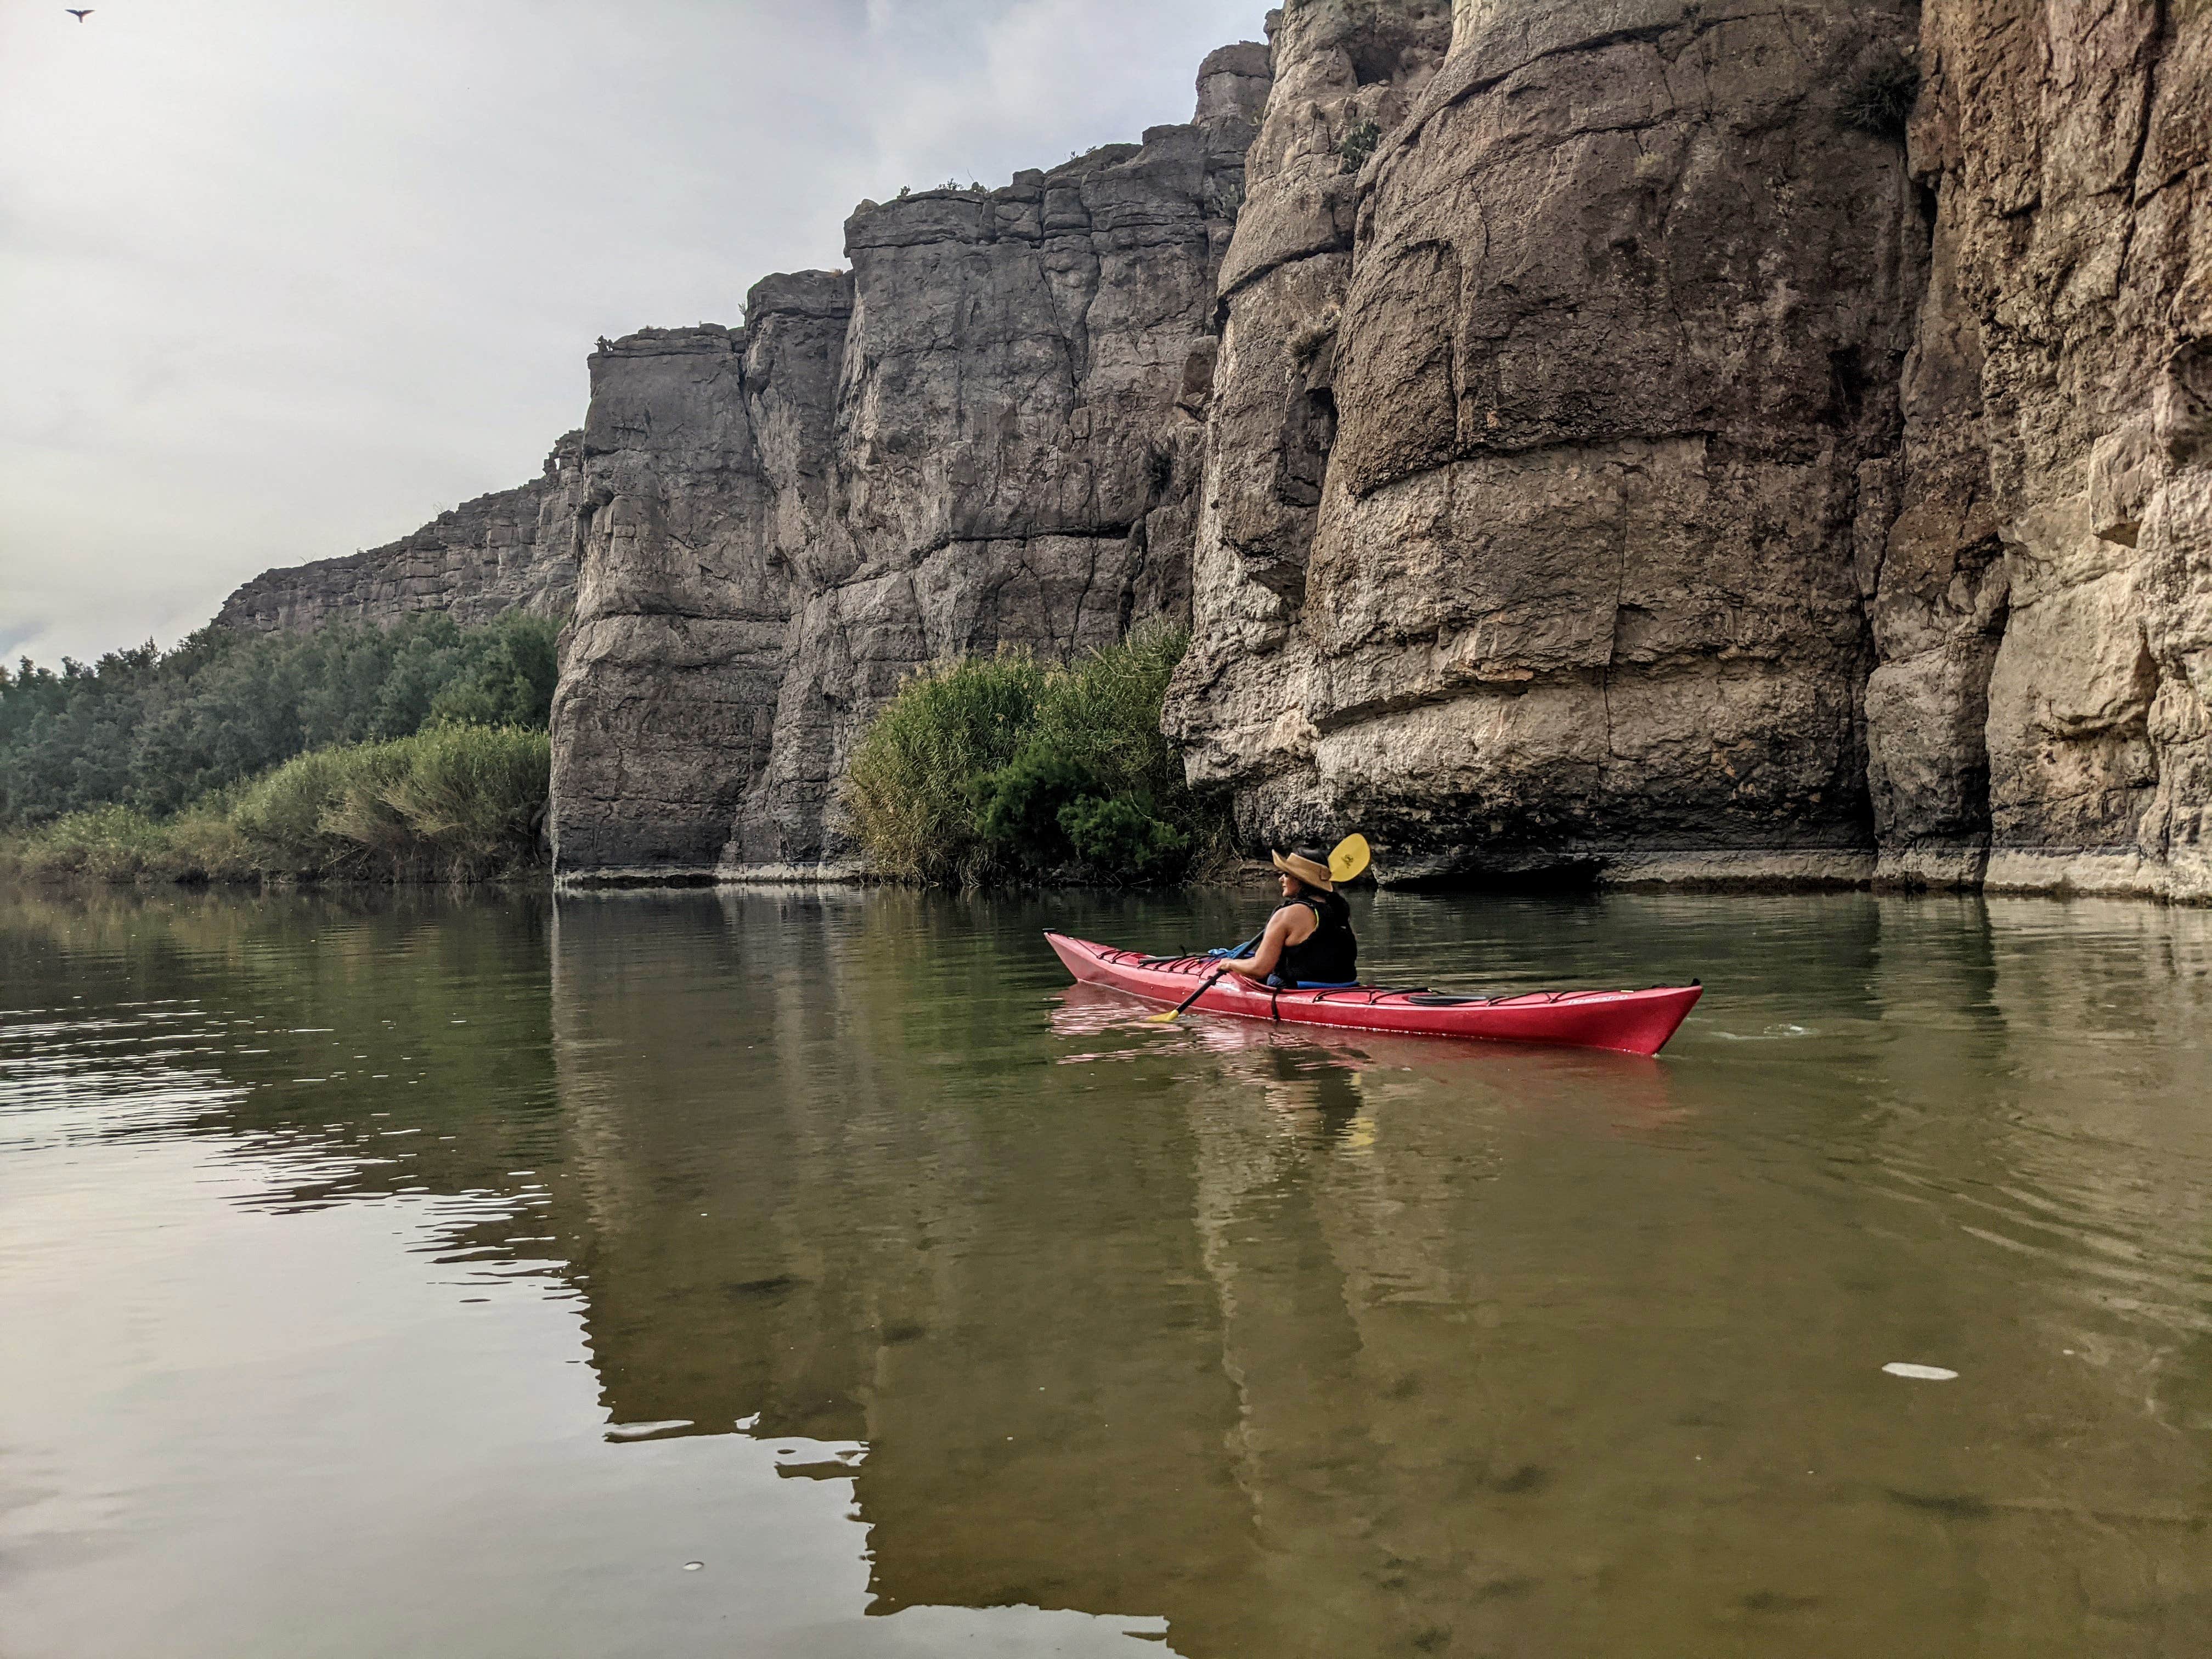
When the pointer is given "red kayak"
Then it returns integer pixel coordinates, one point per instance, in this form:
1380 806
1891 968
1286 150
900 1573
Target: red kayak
1633 1021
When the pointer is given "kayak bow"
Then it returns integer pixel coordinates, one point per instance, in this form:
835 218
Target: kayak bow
1632 1022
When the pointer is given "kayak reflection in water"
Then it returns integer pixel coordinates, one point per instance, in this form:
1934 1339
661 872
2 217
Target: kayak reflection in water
1308 941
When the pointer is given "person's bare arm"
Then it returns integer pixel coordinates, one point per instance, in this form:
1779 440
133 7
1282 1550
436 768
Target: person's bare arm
1282 930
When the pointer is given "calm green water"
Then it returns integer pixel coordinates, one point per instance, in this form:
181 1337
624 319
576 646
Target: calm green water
444 1277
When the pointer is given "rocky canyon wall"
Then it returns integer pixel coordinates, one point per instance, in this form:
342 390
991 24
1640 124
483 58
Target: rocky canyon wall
514 549
985 433
2042 610
1631 451
1663 439
1607 327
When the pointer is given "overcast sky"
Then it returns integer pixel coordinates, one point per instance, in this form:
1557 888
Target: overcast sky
279 279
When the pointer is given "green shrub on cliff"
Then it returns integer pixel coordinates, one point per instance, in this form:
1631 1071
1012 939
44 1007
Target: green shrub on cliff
911 788
1003 768
1357 145
1878 98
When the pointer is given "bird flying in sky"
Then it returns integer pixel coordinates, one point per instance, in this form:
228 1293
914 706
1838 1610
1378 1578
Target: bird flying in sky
79 15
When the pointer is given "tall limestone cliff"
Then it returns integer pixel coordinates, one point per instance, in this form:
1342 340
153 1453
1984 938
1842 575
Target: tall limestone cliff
1664 438
1531 537
514 549
2042 603
1628 454
986 432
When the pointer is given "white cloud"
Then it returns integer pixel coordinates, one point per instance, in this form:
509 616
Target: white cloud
275 280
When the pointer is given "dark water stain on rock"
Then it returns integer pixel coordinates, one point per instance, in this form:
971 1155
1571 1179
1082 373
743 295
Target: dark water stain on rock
1530 1476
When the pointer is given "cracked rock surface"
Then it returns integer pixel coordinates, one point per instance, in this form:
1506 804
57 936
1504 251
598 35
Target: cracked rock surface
2044 610
1646 461
512 550
985 433
1530 539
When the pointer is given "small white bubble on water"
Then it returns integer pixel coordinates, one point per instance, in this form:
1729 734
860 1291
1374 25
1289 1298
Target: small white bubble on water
1924 1373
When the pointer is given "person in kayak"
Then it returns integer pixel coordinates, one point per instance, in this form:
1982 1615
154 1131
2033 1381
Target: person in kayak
1308 940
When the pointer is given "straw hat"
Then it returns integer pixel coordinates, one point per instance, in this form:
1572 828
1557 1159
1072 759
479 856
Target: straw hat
1307 865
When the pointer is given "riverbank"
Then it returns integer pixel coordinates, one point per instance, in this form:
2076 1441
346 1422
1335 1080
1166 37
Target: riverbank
2009 872
454 804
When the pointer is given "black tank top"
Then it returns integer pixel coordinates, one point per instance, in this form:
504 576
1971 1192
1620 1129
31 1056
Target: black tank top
1329 954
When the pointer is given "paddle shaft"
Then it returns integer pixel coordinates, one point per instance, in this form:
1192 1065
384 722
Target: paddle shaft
1203 988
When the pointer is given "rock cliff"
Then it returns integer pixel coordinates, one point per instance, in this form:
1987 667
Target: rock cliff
1664 439
986 432
1630 451
1606 328
2042 603
512 549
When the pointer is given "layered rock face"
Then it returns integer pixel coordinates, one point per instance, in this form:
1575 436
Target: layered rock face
986 433
1628 453
2043 609
514 549
1583 436
1539 438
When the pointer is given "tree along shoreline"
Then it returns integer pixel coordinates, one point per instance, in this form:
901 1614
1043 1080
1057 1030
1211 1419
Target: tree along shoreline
163 730
417 752
1003 770
456 802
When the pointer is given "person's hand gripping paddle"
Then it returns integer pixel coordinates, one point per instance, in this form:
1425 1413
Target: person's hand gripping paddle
1346 860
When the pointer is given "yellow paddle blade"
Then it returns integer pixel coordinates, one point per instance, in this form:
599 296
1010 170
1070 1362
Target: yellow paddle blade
1349 859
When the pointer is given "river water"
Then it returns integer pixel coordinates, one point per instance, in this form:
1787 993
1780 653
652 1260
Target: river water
818 1274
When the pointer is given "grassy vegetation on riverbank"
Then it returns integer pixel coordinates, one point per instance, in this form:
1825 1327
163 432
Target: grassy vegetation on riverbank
417 752
160 731
457 802
1007 769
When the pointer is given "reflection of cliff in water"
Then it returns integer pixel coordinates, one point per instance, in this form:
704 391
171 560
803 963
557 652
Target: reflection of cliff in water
820 1200
1249 1329
1311 1342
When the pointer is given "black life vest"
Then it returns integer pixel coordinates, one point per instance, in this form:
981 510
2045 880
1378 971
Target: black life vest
1329 954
